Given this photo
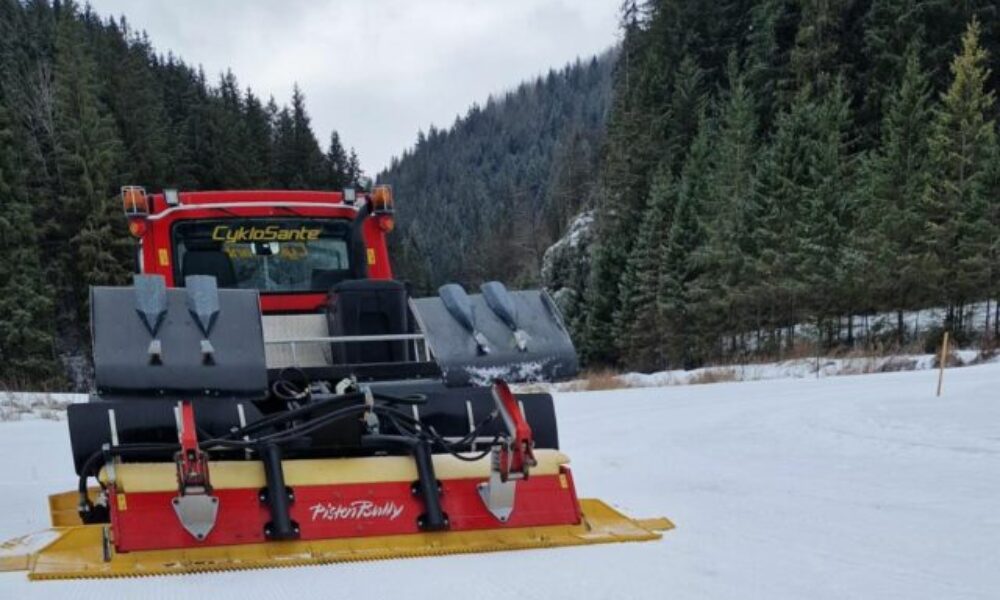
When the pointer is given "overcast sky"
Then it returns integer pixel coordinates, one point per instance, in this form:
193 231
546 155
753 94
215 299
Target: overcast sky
377 71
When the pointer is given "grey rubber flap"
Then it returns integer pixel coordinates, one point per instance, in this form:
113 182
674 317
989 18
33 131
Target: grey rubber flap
550 355
121 342
150 300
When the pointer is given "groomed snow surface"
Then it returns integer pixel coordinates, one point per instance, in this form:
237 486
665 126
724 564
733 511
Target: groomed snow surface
848 487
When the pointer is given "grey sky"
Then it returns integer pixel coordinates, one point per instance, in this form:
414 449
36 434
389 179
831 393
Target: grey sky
377 71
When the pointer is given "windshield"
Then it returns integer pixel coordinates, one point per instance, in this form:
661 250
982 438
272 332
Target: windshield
270 255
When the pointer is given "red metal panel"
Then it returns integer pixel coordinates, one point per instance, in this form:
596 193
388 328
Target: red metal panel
377 254
146 521
278 303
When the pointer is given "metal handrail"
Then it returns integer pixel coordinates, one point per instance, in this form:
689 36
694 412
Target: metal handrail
350 338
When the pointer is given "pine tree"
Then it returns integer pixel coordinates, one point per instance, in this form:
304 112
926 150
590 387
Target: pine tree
957 200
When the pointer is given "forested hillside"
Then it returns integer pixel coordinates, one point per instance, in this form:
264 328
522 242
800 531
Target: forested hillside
486 197
731 171
775 162
765 164
87 105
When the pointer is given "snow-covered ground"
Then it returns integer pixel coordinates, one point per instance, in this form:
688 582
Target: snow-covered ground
862 486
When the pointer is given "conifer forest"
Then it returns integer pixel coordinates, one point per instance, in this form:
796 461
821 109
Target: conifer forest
730 172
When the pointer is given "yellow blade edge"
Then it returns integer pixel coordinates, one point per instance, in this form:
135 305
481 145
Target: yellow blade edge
78 552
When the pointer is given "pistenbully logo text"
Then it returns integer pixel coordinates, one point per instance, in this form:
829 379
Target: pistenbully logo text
355 511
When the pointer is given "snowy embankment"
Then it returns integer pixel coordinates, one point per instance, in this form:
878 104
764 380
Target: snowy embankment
862 486
798 368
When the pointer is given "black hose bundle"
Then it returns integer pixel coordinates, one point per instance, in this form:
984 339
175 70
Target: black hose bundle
294 424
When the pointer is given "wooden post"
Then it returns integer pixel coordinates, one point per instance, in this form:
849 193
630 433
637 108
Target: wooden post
941 362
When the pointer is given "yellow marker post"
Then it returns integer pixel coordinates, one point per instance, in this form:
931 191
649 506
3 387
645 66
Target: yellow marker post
941 361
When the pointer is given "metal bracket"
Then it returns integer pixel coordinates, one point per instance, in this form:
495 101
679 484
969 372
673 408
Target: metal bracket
511 458
197 513
497 494
195 506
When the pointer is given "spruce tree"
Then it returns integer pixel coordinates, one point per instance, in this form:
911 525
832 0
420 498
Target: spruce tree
91 237
891 228
773 244
138 110
719 289
285 170
306 156
893 29
681 255
636 320
258 131
957 200
687 104
815 56
230 136
355 176
26 325
827 217
337 164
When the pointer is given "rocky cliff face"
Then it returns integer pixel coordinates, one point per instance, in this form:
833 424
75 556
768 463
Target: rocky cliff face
566 266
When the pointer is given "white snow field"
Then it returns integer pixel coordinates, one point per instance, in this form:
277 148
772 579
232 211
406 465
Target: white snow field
848 487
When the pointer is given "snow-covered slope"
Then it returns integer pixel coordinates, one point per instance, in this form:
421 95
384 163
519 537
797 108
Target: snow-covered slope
849 487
